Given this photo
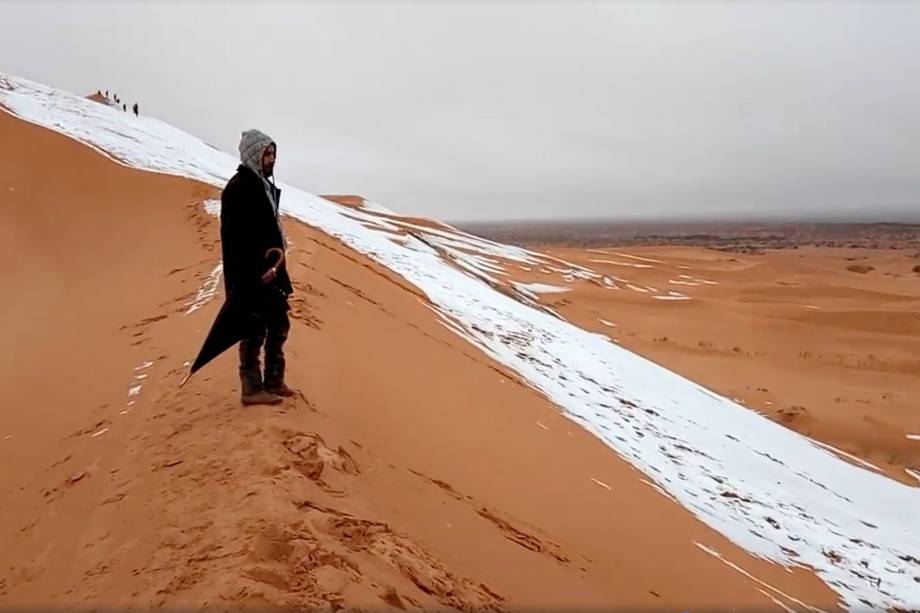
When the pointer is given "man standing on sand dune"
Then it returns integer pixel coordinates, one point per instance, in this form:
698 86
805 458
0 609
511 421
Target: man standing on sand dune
250 227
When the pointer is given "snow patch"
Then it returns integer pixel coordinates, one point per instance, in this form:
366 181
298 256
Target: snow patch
849 456
775 590
212 207
602 484
778 603
541 288
658 489
636 257
376 208
207 291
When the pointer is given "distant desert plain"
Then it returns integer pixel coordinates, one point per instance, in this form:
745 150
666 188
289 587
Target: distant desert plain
815 325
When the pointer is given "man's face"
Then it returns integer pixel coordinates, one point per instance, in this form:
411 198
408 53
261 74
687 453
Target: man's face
268 161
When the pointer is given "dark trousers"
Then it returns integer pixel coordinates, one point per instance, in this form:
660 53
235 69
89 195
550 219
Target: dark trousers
272 332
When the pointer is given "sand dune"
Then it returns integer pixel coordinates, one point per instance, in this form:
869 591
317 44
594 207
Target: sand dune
418 468
789 334
353 494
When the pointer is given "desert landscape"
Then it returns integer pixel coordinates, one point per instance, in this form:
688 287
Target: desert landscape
814 325
556 423
731 236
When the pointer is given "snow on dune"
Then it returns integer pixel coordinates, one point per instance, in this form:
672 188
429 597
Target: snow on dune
768 489
207 291
688 280
212 207
367 205
672 295
636 257
541 288
459 240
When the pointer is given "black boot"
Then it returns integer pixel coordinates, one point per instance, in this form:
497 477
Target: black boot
280 389
252 389
260 397
276 334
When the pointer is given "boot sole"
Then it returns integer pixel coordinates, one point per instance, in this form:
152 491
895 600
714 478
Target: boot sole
273 402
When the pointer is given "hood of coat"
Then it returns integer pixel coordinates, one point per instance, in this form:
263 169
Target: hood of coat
252 145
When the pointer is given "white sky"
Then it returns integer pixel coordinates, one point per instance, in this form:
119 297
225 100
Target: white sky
505 110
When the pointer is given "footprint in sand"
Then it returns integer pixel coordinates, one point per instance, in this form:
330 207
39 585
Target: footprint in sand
793 414
313 456
516 535
421 568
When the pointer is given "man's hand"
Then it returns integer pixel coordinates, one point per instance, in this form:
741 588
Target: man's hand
272 272
270 275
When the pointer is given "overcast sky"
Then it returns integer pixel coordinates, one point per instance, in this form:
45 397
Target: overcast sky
490 110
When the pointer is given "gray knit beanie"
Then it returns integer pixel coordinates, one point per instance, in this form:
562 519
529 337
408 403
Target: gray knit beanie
252 145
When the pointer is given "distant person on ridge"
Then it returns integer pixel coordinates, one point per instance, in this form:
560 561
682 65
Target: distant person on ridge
249 227
134 108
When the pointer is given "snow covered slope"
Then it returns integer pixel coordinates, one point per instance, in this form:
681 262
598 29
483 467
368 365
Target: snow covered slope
772 491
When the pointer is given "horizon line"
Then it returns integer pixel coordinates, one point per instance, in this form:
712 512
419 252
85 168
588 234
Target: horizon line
914 221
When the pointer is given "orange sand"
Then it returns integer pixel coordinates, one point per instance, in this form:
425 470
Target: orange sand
412 472
793 334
